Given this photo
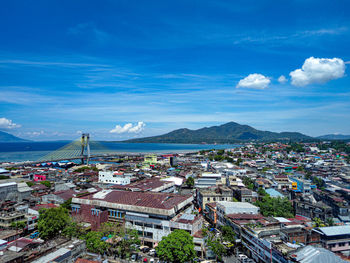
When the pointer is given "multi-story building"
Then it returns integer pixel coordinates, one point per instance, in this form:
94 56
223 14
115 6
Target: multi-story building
154 215
335 238
112 177
225 208
214 194
311 210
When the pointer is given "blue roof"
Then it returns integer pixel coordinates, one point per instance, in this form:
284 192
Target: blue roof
273 193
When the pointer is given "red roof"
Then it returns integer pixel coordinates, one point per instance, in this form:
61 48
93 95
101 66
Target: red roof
145 199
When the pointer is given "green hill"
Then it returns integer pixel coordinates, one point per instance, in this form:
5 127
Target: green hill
231 132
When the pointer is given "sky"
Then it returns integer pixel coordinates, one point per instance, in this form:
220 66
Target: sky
127 69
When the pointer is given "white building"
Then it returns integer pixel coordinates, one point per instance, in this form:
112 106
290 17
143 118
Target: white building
225 208
113 177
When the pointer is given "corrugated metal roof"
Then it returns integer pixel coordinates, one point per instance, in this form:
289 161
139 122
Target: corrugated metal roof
310 254
335 230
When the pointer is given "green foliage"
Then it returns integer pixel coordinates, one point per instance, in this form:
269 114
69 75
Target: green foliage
30 184
217 247
318 182
329 221
46 183
227 133
52 221
262 192
297 147
248 182
4 177
238 162
19 224
176 247
84 168
275 207
317 222
67 204
95 244
190 182
228 234
73 229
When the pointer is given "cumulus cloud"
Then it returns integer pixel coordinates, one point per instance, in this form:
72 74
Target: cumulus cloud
129 128
254 81
318 70
282 79
8 124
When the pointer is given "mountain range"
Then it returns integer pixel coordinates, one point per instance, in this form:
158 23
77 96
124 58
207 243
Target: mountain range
334 137
6 137
231 132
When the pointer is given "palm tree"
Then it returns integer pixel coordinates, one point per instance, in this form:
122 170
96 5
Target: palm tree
330 221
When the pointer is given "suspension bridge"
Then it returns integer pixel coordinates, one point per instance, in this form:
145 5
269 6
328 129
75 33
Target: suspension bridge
82 149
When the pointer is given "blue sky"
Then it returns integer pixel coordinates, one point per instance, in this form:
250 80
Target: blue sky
125 69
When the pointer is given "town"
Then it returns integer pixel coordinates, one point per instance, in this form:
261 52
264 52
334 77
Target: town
260 202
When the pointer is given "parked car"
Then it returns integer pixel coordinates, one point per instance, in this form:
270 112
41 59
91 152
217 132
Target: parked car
134 257
152 252
242 257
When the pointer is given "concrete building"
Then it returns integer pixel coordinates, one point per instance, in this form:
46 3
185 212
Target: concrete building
112 177
209 195
208 180
335 238
154 215
225 208
8 191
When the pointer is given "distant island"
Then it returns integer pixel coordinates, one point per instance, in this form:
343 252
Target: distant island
231 132
6 137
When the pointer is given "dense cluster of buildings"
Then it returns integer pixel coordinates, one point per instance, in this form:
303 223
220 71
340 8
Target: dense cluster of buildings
152 194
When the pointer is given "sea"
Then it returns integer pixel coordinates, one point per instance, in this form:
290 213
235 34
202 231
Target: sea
33 151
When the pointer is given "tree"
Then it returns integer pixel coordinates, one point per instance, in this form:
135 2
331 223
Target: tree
30 184
52 221
270 206
67 204
190 182
329 221
176 247
19 224
74 229
46 183
228 234
94 242
217 247
317 222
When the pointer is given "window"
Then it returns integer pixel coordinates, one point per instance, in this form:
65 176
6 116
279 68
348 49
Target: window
149 225
138 223
158 227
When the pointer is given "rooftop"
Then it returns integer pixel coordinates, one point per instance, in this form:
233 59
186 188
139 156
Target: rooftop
335 230
141 199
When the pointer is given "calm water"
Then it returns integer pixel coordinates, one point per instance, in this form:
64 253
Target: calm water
32 151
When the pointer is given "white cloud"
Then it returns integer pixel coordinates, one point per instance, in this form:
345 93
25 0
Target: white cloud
35 133
129 128
254 81
8 124
282 79
318 70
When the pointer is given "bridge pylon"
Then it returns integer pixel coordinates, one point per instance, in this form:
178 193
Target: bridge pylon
85 147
